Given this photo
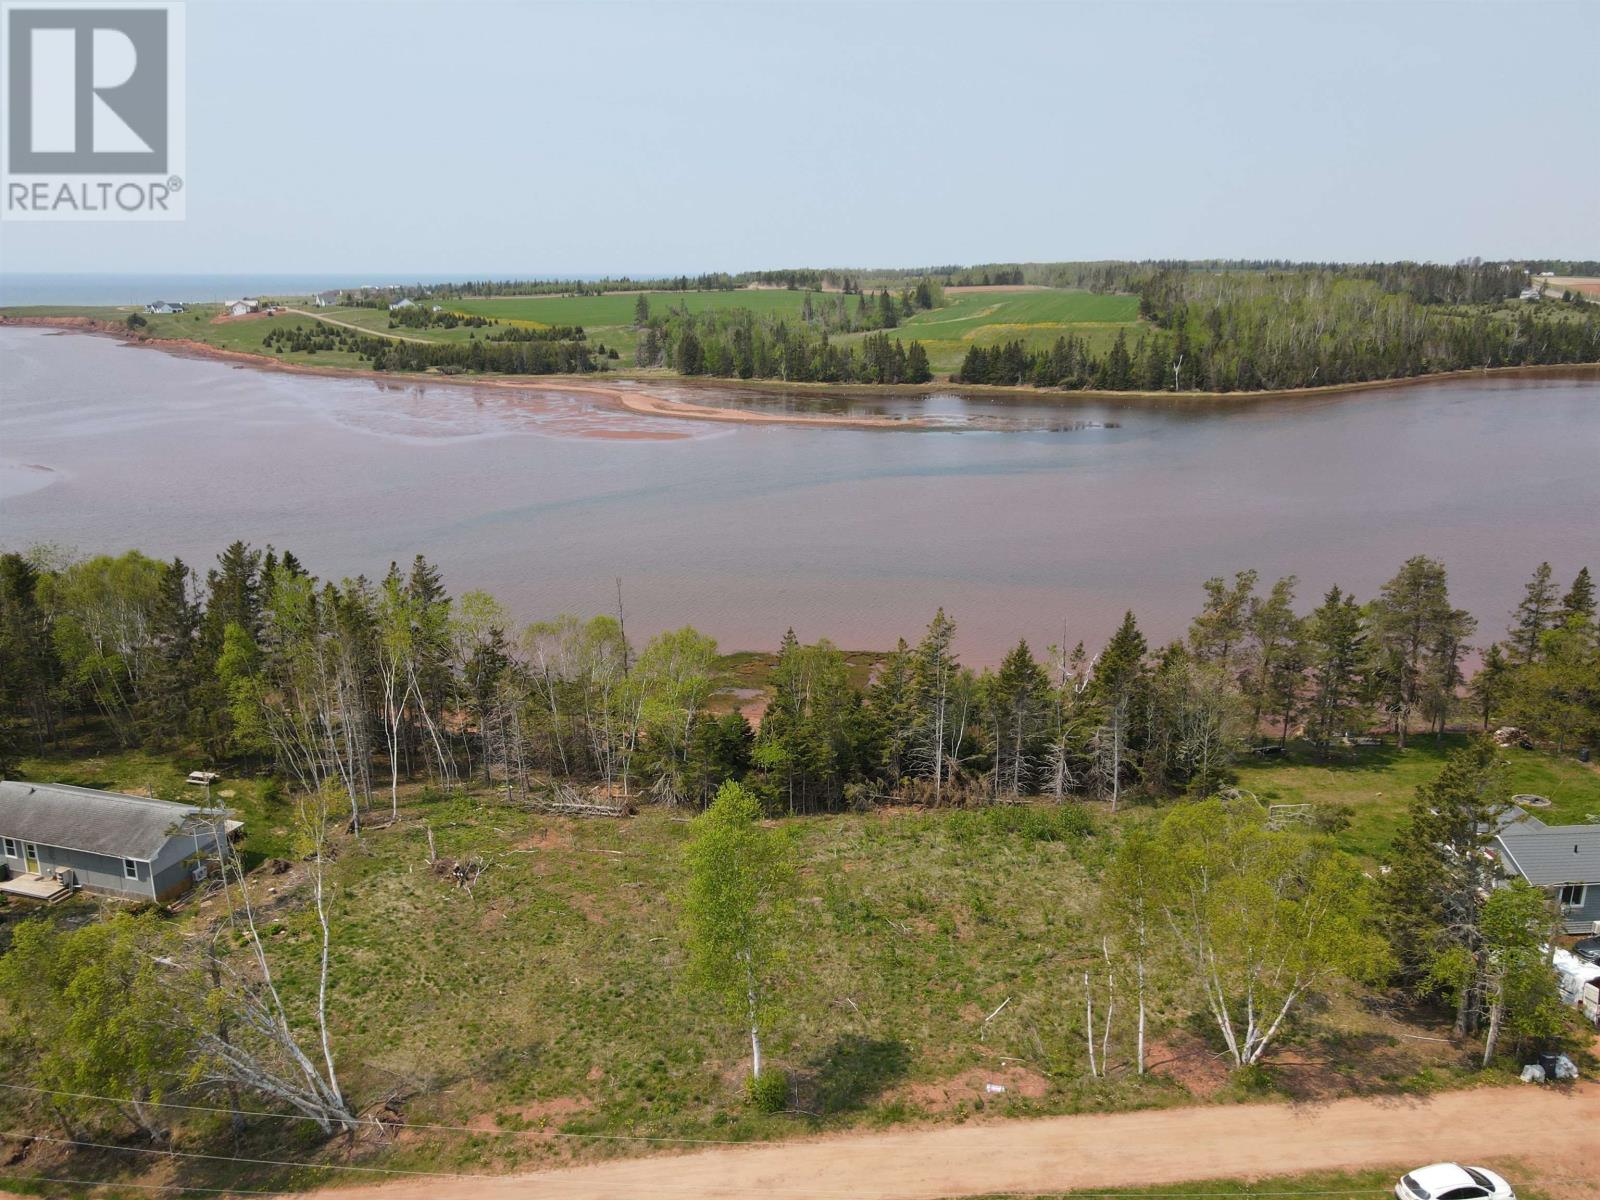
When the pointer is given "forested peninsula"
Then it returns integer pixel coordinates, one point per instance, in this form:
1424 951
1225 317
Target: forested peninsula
1200 328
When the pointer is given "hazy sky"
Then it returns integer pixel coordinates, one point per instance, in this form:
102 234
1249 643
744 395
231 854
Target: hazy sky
608 138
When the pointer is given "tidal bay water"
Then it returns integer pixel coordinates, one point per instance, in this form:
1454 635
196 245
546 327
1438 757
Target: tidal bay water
1028 519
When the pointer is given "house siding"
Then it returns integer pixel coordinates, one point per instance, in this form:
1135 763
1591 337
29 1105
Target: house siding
168 876
1582 918
97 872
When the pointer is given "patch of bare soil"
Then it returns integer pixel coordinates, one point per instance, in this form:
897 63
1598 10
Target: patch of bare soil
229 319
996 287
1190 1063
540 1115
549 837
977 1084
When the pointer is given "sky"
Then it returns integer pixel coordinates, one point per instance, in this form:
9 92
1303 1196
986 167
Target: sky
511 139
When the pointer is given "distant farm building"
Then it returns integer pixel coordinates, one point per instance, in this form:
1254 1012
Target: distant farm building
325 299
242 308
403 302
1529 293
164 307
56 838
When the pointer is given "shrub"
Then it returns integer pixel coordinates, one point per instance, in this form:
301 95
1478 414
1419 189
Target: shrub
1034 822
769 1093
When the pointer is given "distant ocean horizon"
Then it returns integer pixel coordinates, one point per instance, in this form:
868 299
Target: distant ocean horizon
90 289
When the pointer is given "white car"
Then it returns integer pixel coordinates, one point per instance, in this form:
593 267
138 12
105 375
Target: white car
1452 1181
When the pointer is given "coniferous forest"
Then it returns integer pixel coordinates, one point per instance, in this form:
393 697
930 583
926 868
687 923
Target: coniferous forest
360 683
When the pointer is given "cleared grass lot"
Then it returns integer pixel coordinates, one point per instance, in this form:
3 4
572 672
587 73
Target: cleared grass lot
551 999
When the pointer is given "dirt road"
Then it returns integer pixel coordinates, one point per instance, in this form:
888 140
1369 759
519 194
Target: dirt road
1059 1153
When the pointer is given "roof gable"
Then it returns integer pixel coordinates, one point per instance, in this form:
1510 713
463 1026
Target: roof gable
1553 855
109 823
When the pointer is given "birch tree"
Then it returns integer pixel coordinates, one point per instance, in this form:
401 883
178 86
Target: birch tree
249 1037
736 910
1260 918
1132 919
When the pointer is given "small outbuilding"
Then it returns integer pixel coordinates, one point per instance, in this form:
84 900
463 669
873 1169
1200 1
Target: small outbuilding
56 838
325 299
403 302
242 308
163 307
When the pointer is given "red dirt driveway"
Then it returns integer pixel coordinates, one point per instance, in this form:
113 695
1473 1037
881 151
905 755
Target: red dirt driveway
1538 1124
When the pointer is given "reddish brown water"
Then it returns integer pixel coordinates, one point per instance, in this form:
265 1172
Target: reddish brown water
1062 521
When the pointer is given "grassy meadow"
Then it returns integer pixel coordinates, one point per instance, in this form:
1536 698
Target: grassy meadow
1375 783
546 1008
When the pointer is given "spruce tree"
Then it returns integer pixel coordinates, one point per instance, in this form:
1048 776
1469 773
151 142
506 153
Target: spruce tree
1535 614
165 699
1336 655
1440 875
1579 601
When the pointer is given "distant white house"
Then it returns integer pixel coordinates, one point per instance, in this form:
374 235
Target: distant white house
1547 274
163 306
242 308
1529 293
325 299
403 302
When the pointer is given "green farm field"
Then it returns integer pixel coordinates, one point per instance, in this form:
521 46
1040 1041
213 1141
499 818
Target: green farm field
987 317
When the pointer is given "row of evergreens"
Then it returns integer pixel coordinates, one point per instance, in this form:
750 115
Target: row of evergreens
360 684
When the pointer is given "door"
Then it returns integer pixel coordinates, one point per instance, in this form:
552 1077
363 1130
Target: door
30 857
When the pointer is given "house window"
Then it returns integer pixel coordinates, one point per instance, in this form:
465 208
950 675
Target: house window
1572 895
11 848
130 868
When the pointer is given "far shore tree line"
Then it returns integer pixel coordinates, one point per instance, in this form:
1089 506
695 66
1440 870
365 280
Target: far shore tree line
1205 906
1205 327
1251 332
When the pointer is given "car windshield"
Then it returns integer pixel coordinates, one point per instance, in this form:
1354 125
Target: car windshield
1480 1178
1415 1188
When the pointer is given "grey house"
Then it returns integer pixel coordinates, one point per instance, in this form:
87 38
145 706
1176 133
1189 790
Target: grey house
55 838
1562 859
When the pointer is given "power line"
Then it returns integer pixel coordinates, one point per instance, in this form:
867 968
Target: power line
258 1162
148 1187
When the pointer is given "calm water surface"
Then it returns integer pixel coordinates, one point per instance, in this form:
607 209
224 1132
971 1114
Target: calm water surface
1067 515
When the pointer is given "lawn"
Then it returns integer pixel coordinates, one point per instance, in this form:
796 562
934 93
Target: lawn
1376 783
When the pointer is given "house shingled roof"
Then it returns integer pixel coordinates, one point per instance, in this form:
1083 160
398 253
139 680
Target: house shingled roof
76 818
1553 855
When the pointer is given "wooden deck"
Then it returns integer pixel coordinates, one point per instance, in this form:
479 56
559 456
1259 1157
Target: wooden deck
35 887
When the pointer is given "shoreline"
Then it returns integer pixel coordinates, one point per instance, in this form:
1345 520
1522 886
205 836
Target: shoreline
630 395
